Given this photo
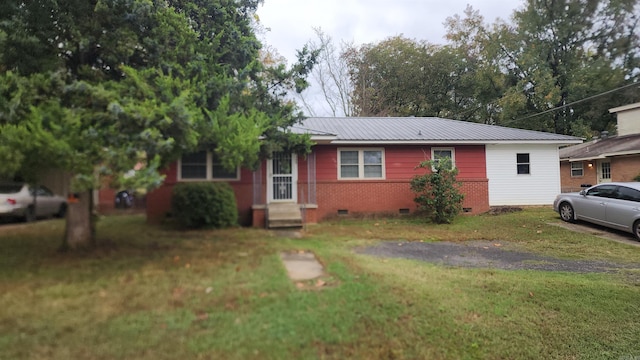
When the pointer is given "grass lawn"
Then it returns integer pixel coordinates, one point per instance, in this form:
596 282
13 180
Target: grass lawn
152 292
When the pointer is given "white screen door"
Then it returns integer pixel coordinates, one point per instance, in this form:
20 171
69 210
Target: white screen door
604 171
282 177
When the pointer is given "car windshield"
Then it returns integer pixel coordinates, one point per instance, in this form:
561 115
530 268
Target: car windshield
10 188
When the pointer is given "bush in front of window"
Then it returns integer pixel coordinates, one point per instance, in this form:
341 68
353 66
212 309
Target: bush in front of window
204 205
437 191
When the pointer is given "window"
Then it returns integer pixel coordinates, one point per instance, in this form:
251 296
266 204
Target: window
194 166
441 153
577 169
204 165
607 191
361 164
625 193
523 164
218 171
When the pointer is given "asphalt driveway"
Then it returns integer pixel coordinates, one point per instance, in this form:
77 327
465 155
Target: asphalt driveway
487 254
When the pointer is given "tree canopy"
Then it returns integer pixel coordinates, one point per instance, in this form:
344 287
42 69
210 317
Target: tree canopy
94 87
534 71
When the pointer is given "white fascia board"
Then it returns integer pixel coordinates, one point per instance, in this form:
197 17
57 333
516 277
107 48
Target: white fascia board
603 156
323 139
622 153
583 159
624 108
452 142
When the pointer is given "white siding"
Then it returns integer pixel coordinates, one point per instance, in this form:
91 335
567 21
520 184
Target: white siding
507 187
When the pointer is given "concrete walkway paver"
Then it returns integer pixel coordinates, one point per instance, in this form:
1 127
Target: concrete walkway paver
302 265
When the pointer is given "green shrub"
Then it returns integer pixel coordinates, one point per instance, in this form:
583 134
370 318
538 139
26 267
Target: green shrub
437 191
637 178
198 205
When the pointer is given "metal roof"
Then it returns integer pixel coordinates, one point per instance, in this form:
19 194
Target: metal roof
602 148
421 130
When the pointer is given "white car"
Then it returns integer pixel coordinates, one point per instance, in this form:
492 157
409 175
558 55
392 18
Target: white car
19 200
615 205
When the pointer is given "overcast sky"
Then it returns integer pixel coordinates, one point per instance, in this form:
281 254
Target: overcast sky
291 22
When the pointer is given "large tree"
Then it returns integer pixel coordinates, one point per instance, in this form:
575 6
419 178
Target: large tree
558 52
331 89
94 87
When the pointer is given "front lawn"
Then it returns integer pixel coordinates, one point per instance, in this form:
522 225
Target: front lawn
156 293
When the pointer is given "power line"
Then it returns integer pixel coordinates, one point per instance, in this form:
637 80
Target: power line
554 109
579 101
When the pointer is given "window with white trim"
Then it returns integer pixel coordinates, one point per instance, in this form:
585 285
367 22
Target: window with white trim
577 169
204 165
360 164
523 164
441 153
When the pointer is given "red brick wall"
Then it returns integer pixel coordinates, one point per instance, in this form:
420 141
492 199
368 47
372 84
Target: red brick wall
572 184
623 168
159 200
356 196
387 196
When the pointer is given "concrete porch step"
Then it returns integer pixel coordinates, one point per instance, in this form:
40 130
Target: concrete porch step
286 215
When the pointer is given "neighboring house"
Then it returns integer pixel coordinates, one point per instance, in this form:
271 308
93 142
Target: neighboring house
364 165
609 158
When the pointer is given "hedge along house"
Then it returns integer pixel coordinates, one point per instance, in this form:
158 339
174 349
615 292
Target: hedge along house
364 165
608 158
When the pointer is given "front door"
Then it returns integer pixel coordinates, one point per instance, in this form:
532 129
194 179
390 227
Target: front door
282 177
603 170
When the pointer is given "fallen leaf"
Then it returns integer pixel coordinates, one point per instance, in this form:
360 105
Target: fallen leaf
320 283
237 268
187 265
539 232
300 251
176 258
202 316
208 290
376 224
497 244
530 294
299 285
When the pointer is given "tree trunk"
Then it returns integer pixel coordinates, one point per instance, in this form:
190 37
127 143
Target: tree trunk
79 231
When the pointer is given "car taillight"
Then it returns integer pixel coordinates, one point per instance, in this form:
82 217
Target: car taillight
11 201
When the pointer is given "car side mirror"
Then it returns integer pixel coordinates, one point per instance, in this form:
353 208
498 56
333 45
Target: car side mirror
583 192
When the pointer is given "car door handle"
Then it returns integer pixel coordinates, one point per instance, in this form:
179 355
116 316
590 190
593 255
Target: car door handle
636 209
602 203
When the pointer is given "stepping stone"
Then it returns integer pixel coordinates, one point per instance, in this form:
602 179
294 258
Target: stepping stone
302 265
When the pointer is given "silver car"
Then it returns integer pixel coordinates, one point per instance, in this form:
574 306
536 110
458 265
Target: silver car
614 205
19 200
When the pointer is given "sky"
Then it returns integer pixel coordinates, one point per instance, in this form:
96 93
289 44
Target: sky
290 23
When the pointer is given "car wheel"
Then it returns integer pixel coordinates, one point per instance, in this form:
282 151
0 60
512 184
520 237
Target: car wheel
62 211
30 214
636 229
566 212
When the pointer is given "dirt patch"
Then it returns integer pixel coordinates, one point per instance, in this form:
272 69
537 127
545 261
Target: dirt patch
487 254
499 210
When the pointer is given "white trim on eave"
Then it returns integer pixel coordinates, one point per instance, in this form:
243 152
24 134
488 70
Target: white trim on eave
603 156
624 108
452 142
